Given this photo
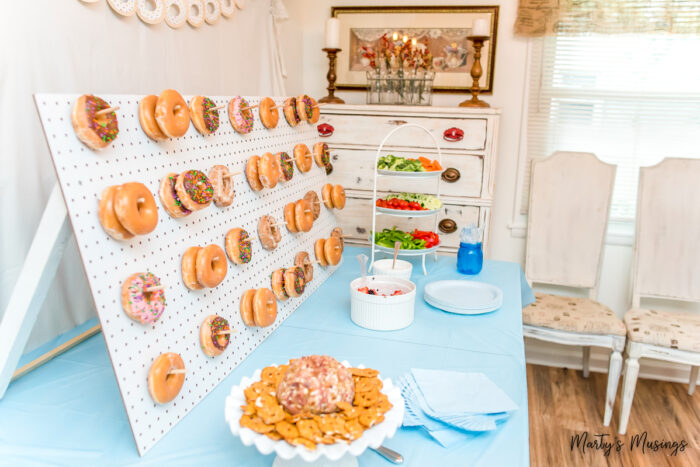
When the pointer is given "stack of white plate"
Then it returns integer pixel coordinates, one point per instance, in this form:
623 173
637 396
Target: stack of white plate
463 297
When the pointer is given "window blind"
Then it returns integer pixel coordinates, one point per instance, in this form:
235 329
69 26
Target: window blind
632 100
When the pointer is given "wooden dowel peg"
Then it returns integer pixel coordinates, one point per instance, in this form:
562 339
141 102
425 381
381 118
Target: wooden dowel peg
218 107
249 107
232 174
319 105
228 331
99 113
177 372
154 288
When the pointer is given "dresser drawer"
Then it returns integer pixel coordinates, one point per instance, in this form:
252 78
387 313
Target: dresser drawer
370 130
354 169
356 221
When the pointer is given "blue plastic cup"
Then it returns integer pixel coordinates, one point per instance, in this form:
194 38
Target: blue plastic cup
470 258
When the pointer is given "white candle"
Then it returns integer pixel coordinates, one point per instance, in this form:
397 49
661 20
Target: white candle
481 27
333 33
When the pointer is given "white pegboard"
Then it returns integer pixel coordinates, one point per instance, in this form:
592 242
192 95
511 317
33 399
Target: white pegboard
83 173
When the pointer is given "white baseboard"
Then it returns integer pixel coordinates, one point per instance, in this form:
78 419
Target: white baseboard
564 356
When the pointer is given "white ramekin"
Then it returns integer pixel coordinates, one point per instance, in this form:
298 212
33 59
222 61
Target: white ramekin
403 269
382 313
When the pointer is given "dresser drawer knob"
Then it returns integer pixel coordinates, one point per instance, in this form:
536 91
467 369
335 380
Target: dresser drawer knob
324 129
453 134
447 226
451 175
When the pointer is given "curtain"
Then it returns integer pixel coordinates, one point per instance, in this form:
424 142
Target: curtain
70 46
550 17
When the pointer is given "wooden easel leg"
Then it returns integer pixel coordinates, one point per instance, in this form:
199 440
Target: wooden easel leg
32 285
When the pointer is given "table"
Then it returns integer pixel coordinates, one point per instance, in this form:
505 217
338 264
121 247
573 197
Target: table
69 411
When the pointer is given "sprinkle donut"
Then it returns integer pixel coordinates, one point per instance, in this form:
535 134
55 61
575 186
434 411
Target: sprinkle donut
268 170
177 20
322 155
212 11
140 304
338 196
150 14
171 114
108 218
194 189
290 217
303 215
136 208
332 250
294 283
241 120
277 283
318 250
222 183
269 115
95 131
195 13
286 166
264 307
312 198
211 266
303 158
213 343
238 246
204 115
303 261
163 385
269 232
189 268
123 7
251 173
247 307
169 198
147 118
290 111
228 7
304 107
315 112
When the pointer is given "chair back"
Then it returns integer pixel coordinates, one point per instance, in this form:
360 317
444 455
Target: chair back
570 195
667 238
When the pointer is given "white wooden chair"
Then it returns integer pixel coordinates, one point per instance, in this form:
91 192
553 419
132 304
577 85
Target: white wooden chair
667 266
570 196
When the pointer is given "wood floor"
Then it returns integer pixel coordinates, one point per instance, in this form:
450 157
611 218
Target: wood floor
563 403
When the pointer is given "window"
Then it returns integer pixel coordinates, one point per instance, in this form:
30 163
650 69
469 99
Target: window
631 99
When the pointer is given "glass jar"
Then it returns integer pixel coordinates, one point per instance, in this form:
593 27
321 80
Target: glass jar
470 258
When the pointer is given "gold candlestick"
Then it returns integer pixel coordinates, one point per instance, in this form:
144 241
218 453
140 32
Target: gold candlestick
330 98
476 73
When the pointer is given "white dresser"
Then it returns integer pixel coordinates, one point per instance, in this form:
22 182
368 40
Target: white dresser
469 165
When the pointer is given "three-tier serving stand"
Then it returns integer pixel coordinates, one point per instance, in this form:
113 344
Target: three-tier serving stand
398 213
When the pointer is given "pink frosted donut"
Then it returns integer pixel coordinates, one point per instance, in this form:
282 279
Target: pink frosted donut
241 120
139 304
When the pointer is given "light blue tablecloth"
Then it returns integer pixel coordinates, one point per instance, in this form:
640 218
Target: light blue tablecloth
69 411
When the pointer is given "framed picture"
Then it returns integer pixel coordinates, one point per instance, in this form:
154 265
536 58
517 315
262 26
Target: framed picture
440 30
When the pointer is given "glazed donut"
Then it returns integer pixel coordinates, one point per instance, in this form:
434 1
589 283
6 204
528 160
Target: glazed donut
211 266
204 115
168 197
277 282
251 173
123 7
264 307
303 261
326 195
171 114
212 11
150 14
136 208
338 197
294 283
332 250
269 116
303 105
227 8
241 120
95 131
322 155
213 343
269 232
338 233
290 111
222 183
247 307
164 386
320 254
108 217
194 189
268 170
147 109
290 217
238 246
303 158
312 198
195 13
315 112
303 215
286 166
189 268
140 304
178 19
